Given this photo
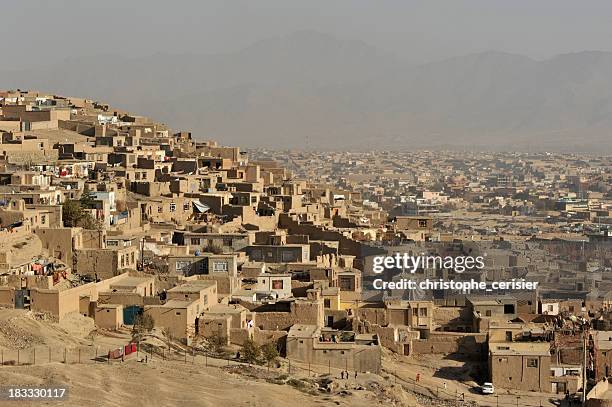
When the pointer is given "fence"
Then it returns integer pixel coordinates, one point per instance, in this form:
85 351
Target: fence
53 354
96 354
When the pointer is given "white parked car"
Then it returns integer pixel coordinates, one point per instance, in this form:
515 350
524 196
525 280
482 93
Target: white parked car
487 388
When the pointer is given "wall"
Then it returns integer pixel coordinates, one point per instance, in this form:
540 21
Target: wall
513 372
350 356
7 297
263 336
217 325
595 396
472 345
109 317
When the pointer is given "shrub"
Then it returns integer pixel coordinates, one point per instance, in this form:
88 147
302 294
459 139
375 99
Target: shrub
269 352
250 351
218 344
143 323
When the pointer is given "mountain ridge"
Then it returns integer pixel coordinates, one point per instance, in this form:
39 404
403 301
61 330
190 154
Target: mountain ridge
312 90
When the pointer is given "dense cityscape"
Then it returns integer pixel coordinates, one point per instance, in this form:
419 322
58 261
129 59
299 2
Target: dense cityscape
126 245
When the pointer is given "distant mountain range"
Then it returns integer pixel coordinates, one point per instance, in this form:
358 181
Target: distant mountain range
311 90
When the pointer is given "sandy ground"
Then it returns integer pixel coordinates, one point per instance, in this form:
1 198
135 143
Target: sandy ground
175 383
33 350
21 329
201 381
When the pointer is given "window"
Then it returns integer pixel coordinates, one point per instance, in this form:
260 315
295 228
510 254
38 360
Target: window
172 207
508 336
488 313
186 206
195 241
346 283
422 312
532 363
508 308
220 267
422 223
415 312
550 308
43 219
327 304
287 256
277 284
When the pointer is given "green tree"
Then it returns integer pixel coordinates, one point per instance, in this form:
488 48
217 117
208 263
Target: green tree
143 323
269 352
71 213
87 200
74 214
250 351
218 344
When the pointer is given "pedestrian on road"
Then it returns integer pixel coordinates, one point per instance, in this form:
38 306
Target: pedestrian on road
355 374
342 374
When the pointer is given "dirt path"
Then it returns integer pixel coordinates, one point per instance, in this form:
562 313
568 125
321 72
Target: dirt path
463 388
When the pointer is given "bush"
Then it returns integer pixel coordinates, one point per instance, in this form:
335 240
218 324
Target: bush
74 213
143 323
213 248
218 345
269 352
250 351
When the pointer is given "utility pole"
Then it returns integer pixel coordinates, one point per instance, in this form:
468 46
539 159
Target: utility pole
584 364
142 253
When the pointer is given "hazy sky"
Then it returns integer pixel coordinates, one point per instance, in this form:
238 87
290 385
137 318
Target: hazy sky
419 31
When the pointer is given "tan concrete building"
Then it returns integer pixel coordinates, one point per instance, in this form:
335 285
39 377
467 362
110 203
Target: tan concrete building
520 366
109 316
338 349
